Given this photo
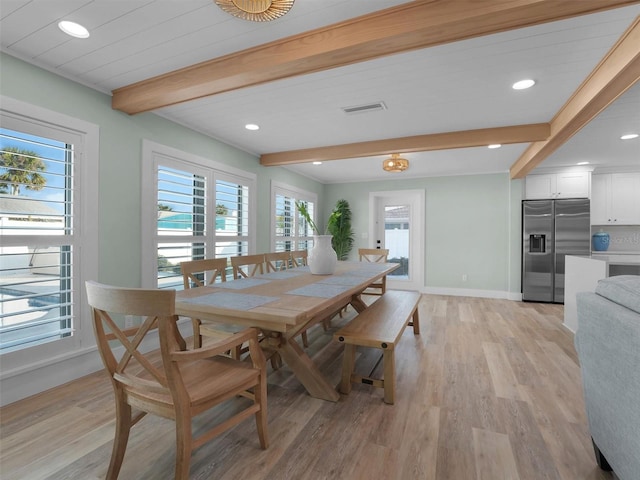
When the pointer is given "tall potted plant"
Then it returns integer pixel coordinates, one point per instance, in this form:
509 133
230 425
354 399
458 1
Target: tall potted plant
322 258
340 227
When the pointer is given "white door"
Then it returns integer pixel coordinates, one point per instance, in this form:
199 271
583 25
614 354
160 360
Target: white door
397 223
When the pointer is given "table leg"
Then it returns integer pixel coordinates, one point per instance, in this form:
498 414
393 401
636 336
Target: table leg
415 323
306 371
358 304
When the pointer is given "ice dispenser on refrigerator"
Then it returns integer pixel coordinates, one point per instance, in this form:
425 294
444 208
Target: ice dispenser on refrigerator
537 243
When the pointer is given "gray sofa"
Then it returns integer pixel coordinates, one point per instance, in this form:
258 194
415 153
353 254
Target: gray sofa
608 345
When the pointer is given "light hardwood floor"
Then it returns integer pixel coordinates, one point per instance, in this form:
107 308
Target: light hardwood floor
490 390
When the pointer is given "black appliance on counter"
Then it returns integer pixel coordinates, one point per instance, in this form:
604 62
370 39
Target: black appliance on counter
551 229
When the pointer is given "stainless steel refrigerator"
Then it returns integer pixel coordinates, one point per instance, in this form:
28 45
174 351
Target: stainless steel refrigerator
551 229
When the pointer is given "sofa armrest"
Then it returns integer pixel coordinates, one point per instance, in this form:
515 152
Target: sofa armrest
608 345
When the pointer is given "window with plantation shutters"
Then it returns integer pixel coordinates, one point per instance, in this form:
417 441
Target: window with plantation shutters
36 221
181 222
232 235
41 229
195 209
290 230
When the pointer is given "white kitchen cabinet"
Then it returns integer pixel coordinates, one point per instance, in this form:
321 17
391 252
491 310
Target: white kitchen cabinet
615 199
557 185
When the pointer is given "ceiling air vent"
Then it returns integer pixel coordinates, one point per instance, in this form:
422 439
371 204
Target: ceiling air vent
371 107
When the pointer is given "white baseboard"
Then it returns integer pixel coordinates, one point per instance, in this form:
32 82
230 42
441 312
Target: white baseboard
470 292
28 382
25 382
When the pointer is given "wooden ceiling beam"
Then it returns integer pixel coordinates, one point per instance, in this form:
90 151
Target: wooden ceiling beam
418 143
614 75
410 26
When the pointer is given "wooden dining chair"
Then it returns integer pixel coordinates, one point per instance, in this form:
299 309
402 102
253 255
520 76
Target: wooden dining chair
199 273
299 258
375 255
277 261
245 266
179 384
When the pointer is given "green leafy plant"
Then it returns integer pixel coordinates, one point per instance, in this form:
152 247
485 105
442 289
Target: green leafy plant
302 208
339 226
222 210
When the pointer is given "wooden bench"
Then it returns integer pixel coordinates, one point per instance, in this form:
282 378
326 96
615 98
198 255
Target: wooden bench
379 326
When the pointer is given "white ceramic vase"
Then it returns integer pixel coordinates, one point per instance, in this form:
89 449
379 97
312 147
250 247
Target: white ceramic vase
322 257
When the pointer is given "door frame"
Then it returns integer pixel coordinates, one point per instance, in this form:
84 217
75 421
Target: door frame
416 200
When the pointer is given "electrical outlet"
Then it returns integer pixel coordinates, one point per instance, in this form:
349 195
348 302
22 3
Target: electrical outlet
464 277
128 321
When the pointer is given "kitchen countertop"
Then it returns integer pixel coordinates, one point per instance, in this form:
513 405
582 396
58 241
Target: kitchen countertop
618 258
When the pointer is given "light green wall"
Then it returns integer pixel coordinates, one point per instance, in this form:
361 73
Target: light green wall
121 138
472 227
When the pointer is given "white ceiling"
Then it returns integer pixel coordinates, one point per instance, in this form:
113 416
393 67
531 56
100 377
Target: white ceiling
458 86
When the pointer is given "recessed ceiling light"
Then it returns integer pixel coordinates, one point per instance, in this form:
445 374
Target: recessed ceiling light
252 126
629 136
73 29
317 163
494 145
582 163
523 84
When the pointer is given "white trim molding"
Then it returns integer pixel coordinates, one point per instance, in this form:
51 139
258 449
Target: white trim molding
470 292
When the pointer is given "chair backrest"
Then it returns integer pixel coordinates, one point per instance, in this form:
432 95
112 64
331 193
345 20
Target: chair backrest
246 266
133 371
299 258
373 255
199 273
277 261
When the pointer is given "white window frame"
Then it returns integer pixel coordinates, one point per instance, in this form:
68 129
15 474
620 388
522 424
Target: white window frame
154 154
25 117
278 188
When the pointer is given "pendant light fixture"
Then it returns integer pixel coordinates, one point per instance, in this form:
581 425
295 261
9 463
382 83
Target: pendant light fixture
256 10
395 164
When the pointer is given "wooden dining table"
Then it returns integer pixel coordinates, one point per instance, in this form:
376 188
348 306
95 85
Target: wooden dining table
283 304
